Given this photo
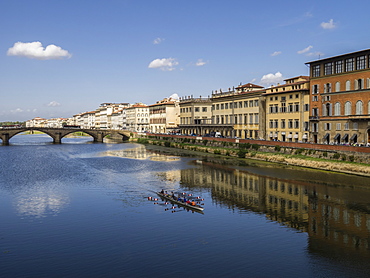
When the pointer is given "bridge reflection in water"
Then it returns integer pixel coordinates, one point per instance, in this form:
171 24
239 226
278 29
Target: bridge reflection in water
334 213
58 133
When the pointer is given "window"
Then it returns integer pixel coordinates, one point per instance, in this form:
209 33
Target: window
327 126
283 123
355 126
337 86
348 85
290 107
359 84
271 124
328 68
339 66
240 104
361 62
347 108
226 106
296 123
338 126
296 107
256 118
327 88
337 109
222 106
316 71
204 109
346 126
217 107
359 107
349 64
306 107
315 89
290 123
245 103
315 98
283 107
276 124
256 103
196 109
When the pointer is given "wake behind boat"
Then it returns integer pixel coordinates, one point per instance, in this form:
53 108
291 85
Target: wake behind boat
181 202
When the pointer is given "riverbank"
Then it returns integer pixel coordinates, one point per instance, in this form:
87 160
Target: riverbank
297 158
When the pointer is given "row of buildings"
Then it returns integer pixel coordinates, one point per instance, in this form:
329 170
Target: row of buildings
330 106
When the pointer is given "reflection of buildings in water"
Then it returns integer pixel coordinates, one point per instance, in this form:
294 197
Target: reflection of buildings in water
331 213
41 201
139 153
170 178
341 216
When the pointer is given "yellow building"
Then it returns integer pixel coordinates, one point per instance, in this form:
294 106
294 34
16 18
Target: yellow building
287 110
236 112
195 115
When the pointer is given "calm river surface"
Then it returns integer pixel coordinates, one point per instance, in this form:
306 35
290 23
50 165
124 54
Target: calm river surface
80 209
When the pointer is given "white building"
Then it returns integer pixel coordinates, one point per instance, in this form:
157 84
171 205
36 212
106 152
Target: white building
137 117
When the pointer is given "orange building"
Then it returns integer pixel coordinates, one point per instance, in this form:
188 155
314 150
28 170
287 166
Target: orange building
340 99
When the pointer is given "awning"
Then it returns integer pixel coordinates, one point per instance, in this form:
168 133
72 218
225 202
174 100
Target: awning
337 136
295 135
283 133
345 137
354 136
270 134
275 135
304 136
326 137
290 135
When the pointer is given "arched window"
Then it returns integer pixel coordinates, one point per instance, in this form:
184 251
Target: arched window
328 109
359 106
337 86
359 84
327 88
337 109
348 85
347 108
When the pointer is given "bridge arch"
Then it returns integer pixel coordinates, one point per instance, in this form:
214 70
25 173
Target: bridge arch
58 133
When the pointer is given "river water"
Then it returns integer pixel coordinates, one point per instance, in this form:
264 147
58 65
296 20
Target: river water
80 209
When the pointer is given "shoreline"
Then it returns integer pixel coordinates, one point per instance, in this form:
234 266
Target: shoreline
350 168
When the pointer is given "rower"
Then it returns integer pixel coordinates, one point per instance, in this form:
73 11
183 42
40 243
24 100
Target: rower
162 191
193 203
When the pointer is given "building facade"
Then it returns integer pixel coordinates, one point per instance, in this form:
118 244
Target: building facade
236 111
164 116
137 117
287 110
340 99
195 116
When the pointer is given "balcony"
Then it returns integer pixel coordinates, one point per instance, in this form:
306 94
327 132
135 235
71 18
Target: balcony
314 118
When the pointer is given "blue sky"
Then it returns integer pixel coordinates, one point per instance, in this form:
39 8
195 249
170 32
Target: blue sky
60 58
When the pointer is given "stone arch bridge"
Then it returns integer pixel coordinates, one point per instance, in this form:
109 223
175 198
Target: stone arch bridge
58 133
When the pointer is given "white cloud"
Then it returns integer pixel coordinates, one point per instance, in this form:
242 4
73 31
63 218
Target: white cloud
200 63
174 96
308 48
35 50
271 78
276 53
328 25
53 104
165 64
158 41
18 110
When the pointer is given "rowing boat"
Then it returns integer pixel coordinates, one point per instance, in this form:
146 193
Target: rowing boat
186 205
